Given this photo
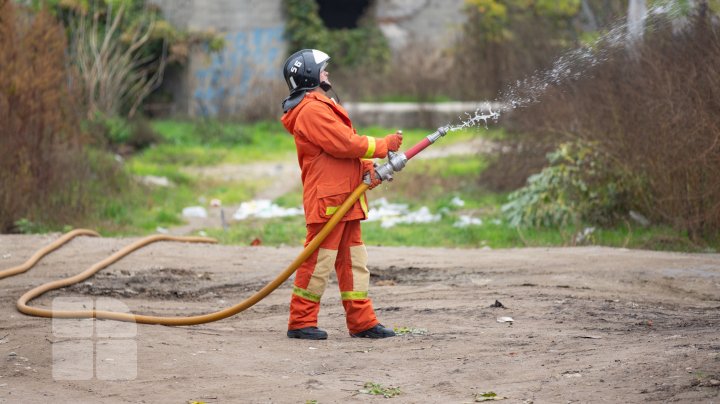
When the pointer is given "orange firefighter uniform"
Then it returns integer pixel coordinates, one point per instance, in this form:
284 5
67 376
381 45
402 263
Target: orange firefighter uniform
330 154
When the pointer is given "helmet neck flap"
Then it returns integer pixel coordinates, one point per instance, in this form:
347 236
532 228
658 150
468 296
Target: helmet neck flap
302 73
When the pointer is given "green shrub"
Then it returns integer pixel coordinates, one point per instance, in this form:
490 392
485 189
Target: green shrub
578 186
122 135
213 131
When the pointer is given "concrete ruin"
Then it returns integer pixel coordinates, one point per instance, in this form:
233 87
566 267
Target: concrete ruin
255 47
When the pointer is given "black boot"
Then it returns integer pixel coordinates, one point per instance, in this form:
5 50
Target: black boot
307 333
379 331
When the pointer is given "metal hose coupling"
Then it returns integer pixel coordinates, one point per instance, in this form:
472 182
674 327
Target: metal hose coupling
397 160
442 131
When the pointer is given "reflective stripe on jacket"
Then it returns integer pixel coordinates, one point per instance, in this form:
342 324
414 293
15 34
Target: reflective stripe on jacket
330 154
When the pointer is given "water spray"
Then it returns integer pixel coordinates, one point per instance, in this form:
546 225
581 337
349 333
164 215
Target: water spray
397 160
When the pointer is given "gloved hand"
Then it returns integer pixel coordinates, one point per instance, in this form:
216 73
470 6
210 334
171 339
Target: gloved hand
369 169
394 141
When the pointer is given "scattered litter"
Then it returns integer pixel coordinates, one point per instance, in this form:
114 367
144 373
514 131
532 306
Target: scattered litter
154 180
584 235
162 230
390 214
589 336
6 256
194 211
572 373
505 320
256 242
497 304
410 331
312 347
456 201
465 221
215 203
488 396
264 209
639 218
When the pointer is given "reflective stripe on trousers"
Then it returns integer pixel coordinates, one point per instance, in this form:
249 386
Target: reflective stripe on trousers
343 250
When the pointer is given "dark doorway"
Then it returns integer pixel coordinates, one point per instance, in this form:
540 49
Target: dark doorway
339 14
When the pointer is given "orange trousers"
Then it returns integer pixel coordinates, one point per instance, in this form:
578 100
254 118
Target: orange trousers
344 250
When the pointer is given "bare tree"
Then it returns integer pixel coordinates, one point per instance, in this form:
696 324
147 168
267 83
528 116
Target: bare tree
115 73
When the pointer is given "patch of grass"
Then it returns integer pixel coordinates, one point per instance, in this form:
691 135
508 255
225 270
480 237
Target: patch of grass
172 172
409 331
377 389
291 199
142 210
432 183
184 155
232 143
230 193
273 232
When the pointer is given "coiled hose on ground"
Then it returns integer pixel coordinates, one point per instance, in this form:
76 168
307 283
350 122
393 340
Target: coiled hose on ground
22 303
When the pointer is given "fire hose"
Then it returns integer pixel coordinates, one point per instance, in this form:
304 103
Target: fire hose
396 162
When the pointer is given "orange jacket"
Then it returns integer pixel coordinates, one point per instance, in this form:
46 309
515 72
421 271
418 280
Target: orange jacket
330 154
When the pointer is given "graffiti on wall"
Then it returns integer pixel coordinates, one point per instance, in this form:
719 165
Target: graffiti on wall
225 79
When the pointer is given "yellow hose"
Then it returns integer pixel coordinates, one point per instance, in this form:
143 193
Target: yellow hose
45 251
139 318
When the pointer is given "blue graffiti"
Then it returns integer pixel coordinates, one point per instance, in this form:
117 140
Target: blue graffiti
247 54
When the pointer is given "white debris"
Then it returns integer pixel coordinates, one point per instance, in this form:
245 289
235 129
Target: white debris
264 209
505 320
154 180
465 221
639 218
456 201
215 203
162 230
390 214
584 234
194 211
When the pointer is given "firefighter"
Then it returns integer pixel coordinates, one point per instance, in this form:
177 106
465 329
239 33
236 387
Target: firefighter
333 159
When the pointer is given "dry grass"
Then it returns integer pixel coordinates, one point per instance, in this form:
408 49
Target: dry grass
655 114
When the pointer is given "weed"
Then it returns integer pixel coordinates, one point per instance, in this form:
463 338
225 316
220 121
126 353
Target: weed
488 396
377 389
410 331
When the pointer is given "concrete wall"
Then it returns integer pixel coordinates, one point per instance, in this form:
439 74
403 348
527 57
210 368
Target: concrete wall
434 23
255 49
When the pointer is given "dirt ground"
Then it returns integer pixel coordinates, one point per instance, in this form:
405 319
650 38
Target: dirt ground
590 325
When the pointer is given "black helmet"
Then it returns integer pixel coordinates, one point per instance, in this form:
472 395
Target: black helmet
302 69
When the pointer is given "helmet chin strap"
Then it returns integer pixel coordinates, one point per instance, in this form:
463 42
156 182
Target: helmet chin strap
325 86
